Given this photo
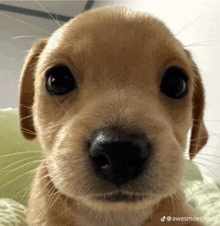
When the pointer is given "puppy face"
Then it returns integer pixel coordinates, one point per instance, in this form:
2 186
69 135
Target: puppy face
113 95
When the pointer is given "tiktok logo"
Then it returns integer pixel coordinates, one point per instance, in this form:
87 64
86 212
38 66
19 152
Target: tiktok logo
163 218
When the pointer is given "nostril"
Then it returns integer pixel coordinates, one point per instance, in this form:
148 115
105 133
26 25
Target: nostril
101 161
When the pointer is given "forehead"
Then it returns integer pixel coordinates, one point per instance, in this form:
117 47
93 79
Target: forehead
114 37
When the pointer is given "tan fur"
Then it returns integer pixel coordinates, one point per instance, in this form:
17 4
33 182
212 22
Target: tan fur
118 58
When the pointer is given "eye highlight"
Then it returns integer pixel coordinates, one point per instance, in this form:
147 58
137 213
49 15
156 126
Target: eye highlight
174 83
60 80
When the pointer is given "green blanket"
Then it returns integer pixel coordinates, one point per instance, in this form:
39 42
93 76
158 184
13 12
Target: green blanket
19 159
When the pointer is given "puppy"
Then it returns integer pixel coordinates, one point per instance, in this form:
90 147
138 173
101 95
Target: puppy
111 97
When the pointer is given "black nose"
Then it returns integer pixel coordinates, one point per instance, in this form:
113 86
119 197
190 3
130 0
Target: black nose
119 157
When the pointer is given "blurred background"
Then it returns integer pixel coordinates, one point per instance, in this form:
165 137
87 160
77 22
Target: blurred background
196 23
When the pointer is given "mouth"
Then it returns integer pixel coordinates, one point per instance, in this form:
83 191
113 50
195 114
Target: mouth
120 197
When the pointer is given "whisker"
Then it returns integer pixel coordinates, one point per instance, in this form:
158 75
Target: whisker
51 193
44 169
202 128
27 36
199 138
61 105
200 145
196 45
25 23
199 163
187 25
45 186
66 210
204 154
208 120
207 160
25 105
20 161
28 131
17 178
26 189
172 199
48 12
57 124
54 198
189 192
29 116
19 153
201 187
17 168
179 199
215 188
201 43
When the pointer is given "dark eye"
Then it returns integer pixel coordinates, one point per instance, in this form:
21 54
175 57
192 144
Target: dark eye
60 80
174 83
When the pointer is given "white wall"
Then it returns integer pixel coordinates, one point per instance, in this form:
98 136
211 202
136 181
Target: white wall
196 23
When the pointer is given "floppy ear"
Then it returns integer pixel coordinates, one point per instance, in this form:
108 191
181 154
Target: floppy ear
26 96
199 134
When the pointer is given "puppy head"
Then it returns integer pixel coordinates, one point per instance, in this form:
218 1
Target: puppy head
110 88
